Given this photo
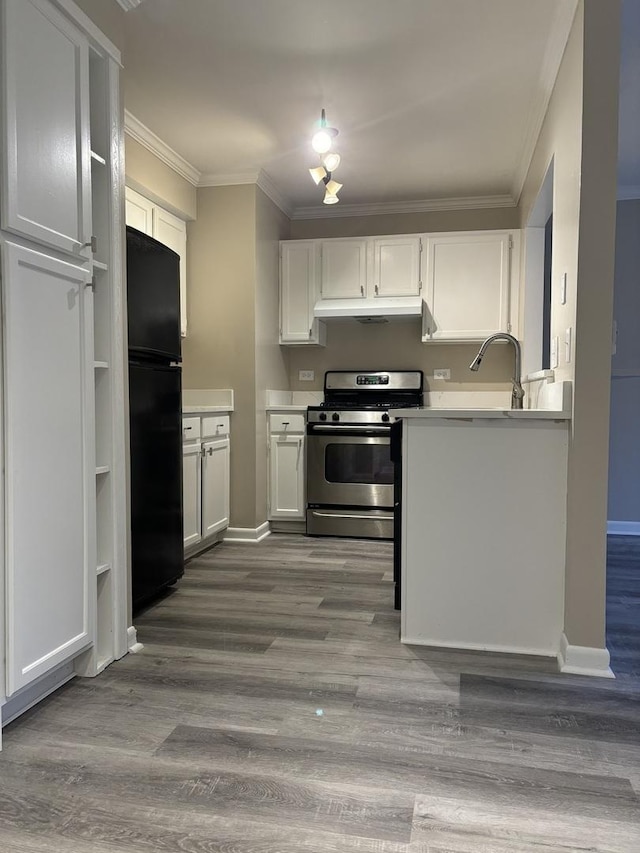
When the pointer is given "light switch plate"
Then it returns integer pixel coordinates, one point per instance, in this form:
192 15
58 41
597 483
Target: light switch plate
441 373
553 356
563 289
306 375
567 345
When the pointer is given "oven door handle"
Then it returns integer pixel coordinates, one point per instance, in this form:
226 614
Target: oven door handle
317 514
377 429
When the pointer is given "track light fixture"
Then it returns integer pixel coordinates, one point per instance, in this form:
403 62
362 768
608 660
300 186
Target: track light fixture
322 142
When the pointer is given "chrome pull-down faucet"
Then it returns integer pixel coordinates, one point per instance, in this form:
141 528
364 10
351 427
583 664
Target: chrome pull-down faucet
517 394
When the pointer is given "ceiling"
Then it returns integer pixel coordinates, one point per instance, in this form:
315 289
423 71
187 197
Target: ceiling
437 102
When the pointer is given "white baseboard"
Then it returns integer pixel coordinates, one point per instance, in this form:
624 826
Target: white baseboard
283 525
247 534
36 692
583 660
623 528
478 647
132 641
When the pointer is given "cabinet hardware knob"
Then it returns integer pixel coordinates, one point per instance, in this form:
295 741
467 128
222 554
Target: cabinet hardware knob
210 451
376 289
186 428
220 426
362 290
93 244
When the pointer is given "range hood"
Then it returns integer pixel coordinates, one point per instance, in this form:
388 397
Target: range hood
373 310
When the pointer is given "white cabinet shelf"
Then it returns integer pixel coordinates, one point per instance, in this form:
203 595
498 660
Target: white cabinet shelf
96 158
102 568
101 365
99 265
102 469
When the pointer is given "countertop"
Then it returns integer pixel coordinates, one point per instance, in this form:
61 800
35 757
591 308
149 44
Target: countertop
206 410
474 414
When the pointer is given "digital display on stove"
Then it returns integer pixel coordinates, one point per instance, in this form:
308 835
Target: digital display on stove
365 379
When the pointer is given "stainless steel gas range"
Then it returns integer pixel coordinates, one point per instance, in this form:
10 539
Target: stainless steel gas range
350 475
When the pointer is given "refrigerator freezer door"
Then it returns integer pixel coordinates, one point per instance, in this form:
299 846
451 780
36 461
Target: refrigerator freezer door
156 478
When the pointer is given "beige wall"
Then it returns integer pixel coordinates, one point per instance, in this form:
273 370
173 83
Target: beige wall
271 366
219 351
147 174
398 345
579 132
405 223
108 16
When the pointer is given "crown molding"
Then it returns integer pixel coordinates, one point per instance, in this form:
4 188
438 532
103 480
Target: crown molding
128 5
162 151
268 187
321 211
560 31
628 193
229 180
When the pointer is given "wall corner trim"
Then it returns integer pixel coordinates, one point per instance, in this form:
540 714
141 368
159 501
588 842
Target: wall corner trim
132 641
149 140
247 534
583 660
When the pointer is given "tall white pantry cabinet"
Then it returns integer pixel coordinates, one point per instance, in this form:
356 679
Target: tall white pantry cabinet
63 556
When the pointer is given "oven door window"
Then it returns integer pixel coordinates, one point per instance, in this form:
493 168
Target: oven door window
358 463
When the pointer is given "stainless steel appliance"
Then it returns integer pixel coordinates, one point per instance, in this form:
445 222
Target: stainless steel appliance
350 475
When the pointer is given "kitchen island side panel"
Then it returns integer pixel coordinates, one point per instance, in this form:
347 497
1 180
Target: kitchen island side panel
484 518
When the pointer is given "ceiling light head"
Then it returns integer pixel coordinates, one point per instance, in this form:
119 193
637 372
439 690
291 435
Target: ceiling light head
329 198
318 174
322 139
333 187
331 161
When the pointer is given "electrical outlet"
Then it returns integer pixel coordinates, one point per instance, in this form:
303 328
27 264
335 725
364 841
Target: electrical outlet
441 373
563 289
553 358
567 345
306 375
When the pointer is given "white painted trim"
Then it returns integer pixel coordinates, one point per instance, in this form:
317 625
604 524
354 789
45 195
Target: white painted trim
162 151
229 180
629 193
321 211
132 641
268 187
478 647
583 660
623 528
128 5
36 692
537 375
87 25
560 30
247 534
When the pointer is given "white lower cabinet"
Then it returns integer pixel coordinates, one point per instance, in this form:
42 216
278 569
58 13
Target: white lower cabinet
287 497
191 494
215 486
205 477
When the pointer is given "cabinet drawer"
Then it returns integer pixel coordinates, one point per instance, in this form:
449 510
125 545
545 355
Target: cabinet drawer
287 422
190 429
215 425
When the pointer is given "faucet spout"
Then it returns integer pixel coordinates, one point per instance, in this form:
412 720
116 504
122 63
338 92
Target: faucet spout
517 393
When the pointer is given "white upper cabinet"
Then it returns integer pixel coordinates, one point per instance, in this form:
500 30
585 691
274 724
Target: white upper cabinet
50 462
343 269
299 290
46 159
396 266
168 229
139 212
468 284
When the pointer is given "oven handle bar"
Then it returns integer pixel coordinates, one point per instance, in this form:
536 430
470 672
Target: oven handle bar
381 429
317 514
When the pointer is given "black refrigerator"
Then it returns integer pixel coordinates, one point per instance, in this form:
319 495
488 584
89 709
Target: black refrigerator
155 416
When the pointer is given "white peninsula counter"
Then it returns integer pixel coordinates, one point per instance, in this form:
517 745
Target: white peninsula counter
483 528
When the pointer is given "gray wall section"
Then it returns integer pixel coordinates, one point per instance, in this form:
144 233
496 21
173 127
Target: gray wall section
624 443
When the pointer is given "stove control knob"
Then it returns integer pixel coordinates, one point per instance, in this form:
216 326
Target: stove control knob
335 416
385 418
323 416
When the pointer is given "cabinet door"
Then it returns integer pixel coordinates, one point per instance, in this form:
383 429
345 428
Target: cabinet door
344 269
286 477
299 290
468 280
171 231
50 471
215 486
46 163
191 493
138 211
396 266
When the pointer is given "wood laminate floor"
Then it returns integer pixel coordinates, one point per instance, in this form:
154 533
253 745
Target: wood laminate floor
273 710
